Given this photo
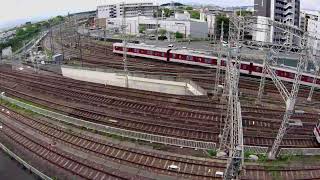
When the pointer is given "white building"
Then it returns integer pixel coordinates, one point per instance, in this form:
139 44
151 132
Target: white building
284 11
263 30
182 16
305 15
183 25
7 52
130 9
211 20
4 36
314 32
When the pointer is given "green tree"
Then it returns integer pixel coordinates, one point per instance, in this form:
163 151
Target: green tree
179 35
157 13
45 24
28 32
219 20
195 14
162 32
189 8
245 13
142 29
167 12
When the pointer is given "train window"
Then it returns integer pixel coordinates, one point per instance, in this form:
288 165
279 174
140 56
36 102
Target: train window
136 50
291 75
149 52
119 48
208 61
310 79
195 59
163 54
279 73
258 69
318 81
304 78
214 61
189 58
183 57
244 66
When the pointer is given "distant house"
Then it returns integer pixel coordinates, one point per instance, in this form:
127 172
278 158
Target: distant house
173 5
7 52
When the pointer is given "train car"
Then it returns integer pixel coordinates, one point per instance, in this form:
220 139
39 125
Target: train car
200 58
316 132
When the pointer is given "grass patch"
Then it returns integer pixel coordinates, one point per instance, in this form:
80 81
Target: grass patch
212 153
30 113
17 108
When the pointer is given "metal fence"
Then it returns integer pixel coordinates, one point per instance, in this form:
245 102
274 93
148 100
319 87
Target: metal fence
25 164
256 149
300 151
113 130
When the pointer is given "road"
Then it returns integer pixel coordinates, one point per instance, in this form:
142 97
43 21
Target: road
10 169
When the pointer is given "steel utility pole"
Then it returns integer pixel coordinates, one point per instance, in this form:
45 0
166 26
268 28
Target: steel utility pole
125 47
290 105
51 41
316 74
217 80
105 40
157 24
263 78
231 140
62 49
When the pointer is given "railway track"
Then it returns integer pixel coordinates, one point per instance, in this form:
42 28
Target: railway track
80 167
178 116
158 163
261 131
128 156
201 75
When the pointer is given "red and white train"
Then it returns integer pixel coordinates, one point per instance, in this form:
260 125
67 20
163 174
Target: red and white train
202 59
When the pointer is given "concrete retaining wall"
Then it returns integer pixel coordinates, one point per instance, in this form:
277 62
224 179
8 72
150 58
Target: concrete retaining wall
143 83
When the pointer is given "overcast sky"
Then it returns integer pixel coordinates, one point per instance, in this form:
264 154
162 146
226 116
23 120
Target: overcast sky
11 10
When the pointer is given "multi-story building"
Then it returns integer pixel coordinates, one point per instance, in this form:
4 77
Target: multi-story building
313 29
284 11
130 9
310 22
182 24
307 15
5 36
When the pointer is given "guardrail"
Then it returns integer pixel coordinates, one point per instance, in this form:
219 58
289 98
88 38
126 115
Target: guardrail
25 164
256 149
300 151
113 130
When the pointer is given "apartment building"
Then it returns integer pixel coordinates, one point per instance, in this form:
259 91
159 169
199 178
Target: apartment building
284 11
130 9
